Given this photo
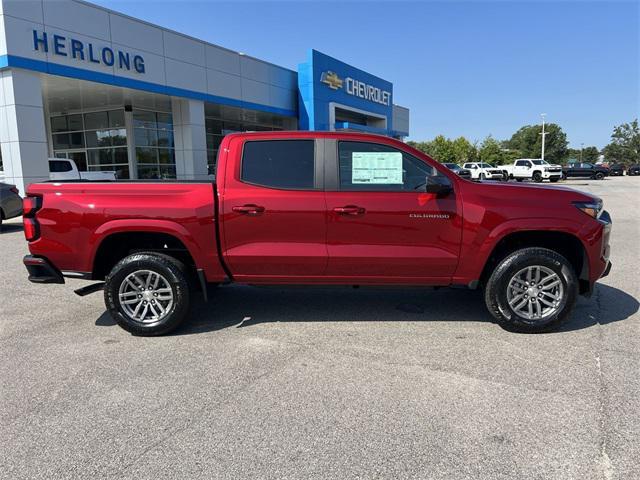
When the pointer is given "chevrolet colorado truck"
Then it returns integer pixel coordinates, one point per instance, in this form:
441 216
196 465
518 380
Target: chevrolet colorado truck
318 208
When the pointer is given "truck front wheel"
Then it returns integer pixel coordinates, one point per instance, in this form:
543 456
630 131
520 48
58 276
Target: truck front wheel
147 293
532 290
537 177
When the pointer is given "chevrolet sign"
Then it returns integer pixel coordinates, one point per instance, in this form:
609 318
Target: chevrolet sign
356 88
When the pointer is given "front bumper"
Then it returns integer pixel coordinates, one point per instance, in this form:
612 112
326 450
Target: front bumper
41 270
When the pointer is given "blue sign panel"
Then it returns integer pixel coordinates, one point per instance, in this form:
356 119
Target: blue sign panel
323 80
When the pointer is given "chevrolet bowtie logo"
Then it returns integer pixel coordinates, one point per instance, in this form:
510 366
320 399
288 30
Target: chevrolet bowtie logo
332 80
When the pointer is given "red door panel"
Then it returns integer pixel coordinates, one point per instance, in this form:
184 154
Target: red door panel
397 234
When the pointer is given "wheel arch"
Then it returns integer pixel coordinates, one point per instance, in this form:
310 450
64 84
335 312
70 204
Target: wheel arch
566 244
118 243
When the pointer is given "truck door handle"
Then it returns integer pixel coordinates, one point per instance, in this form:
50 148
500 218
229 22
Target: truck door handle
349 210
249 209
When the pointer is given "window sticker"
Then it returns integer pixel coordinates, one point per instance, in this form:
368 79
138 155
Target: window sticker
376 168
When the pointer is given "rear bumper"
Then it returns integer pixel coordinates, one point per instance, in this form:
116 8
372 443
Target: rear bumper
41 270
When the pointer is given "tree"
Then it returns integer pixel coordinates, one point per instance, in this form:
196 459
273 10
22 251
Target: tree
528 140
625 144
590 154
446 150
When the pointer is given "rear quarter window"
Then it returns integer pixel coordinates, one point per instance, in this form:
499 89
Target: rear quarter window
285 164
59 166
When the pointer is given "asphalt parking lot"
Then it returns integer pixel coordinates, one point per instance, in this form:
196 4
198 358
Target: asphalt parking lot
323 383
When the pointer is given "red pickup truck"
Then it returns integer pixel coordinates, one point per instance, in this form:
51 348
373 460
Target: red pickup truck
318 208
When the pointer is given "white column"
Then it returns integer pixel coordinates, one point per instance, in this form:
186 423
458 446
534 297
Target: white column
190 139
23 137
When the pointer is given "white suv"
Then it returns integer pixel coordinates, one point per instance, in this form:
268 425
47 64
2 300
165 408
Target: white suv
483 171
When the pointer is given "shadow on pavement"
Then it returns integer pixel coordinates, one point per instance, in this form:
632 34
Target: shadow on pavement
236 306
10 227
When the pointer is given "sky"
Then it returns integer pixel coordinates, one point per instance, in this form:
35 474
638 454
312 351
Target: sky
473 68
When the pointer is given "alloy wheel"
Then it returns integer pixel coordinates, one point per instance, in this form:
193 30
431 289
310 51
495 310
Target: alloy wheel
535 293
145 296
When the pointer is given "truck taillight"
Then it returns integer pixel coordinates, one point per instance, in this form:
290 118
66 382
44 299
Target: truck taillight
31 229
30 205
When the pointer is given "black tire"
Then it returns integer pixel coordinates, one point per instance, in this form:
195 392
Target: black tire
495 293
599 176
482 176
518 179
172 271
537 177
564 176
553 180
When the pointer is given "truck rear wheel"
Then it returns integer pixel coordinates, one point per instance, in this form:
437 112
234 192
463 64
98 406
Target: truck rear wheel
147 293
532 290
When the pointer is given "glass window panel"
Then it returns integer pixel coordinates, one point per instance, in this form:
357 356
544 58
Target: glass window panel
116 118
148 172
279 163
98 138
118 137
144 118
96 120
167 171
59 124
165 121
103 156
165 138
145 137
166 155
74 122
80 159
76 140
61 141
213 125
230 127
411 173
147 155
120 155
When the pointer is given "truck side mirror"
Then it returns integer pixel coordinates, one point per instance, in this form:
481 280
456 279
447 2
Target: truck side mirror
438 184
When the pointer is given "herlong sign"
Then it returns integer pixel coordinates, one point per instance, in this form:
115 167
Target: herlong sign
70 47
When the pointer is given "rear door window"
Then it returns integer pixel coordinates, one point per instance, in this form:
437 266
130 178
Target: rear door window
58 166
282 164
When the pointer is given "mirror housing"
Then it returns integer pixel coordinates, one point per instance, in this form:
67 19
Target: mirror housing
438 184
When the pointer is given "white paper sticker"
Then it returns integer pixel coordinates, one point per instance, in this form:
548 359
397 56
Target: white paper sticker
376 167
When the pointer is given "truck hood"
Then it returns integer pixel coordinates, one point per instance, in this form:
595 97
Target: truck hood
527 192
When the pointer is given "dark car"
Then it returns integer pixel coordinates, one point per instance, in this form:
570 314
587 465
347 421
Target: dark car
454 167
634 169
616 170
10 202
585 170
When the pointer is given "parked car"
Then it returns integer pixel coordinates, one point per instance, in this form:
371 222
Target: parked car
585 170
461 172
10 202
533 169
616 170
66 169
633 169
483 171
318 208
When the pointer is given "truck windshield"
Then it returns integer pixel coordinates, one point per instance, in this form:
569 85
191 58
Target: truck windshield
539 162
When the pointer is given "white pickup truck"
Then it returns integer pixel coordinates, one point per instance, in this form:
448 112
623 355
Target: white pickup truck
533 169
484 171
66 169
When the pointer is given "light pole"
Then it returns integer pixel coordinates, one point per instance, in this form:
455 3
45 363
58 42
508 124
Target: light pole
544 134
581 149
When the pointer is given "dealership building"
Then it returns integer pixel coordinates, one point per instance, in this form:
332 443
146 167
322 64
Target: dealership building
115 93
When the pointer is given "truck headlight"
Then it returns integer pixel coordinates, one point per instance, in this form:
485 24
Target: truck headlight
593 209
